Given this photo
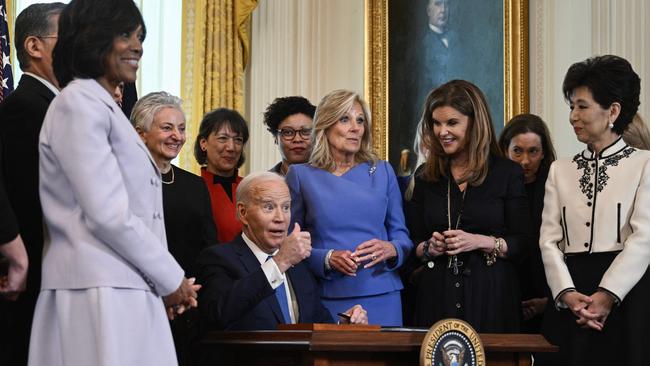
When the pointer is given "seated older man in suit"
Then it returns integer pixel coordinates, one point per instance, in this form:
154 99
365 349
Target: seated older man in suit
258 280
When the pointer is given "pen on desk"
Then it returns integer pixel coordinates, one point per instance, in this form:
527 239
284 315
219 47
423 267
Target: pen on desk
344 315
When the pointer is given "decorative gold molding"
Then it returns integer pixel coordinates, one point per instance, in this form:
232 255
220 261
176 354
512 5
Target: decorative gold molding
516 93
376 72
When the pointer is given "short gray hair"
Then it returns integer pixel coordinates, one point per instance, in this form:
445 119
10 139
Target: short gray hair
246 185
146 108
34 21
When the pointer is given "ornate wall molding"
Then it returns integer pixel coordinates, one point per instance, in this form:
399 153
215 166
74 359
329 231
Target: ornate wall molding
376 72
515 33
516 74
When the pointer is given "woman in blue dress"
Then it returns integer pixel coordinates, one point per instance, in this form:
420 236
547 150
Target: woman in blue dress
351 204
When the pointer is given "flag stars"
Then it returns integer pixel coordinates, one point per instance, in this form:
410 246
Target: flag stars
5 60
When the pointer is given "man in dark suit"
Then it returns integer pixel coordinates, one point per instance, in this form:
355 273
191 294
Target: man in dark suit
258 280
438 14
21 117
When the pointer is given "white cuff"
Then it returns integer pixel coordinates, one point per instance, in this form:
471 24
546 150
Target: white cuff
328 267
273 274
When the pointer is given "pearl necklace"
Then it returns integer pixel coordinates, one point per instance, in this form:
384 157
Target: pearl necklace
171 181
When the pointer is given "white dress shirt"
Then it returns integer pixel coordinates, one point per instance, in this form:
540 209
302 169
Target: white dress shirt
49 85
274 276
441 33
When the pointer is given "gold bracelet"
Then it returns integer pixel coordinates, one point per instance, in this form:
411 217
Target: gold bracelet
491 258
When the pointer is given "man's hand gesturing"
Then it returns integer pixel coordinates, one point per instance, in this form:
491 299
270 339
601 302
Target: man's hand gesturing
294 249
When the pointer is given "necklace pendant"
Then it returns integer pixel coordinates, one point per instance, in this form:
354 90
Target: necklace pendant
454 264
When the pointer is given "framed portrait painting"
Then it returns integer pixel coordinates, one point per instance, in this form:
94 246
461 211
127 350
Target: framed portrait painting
416 45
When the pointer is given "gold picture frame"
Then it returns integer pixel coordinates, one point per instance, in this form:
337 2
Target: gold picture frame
376 81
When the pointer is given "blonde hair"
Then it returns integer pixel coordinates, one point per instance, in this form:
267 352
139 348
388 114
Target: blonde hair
422 154
330 109
469 100
637 134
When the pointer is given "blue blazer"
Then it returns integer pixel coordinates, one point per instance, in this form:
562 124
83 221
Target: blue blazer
237 296
342 212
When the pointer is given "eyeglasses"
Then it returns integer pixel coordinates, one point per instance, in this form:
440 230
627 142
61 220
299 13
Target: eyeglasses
237 140
289 133
47 36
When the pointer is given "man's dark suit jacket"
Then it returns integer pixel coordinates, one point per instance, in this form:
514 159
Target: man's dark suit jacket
236 294
21 118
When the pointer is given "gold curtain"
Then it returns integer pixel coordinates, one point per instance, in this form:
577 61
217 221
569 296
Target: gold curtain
215 48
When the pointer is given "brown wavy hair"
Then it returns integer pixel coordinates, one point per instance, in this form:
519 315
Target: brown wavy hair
469 100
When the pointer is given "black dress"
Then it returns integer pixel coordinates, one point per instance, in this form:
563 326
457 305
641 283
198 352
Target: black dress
531 271
485 296
190 228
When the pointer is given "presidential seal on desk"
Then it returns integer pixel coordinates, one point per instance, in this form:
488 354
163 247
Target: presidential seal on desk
452 342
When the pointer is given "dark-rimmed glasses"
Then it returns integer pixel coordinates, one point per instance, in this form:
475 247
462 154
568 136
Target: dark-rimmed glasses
289 133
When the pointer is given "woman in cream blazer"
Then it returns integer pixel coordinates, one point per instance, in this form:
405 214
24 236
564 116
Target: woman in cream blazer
595 234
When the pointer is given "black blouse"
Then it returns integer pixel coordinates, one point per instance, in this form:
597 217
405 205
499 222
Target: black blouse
533 279
485 296
188 217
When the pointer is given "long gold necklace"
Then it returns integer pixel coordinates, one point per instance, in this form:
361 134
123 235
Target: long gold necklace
453 262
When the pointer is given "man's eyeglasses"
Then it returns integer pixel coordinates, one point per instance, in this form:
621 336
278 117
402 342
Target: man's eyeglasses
289 133
55 36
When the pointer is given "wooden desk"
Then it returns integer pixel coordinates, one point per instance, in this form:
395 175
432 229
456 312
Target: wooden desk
342 348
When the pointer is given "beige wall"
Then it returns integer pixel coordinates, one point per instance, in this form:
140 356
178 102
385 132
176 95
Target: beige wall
563 32
300 47
310 47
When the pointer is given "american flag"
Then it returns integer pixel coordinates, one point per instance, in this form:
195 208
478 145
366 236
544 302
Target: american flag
6 78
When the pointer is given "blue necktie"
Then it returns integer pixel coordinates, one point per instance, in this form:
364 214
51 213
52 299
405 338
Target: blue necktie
281 295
